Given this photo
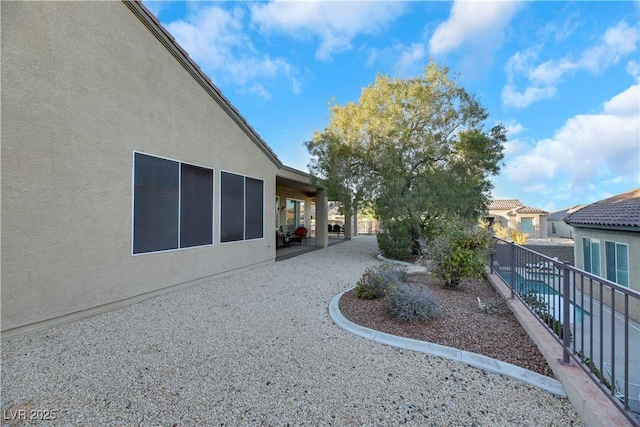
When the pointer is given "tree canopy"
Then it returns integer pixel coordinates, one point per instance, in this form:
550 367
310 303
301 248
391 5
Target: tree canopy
410 149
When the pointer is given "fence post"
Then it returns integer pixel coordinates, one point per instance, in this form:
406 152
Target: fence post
512 268
566 320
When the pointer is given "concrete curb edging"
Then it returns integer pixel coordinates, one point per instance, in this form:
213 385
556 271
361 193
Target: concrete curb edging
476 360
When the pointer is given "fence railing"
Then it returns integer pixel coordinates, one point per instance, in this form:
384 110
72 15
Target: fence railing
596 321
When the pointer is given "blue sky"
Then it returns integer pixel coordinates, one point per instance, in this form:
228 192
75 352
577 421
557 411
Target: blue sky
562 77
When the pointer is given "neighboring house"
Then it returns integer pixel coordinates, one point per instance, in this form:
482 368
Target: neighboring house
607 238
556 227
512 214
125 172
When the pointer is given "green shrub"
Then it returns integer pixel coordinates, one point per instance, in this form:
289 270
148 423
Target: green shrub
592 366
376 282
500 231
519 237
459 251
395 241
541 308
407 304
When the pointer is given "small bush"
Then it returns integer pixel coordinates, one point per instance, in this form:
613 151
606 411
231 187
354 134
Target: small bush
407 304
592 366
377 282
396 241
500 231
541 308
459 251
518 237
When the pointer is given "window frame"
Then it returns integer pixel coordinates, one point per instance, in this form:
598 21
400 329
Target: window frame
529 221
616 246
221 216
592 243
179 165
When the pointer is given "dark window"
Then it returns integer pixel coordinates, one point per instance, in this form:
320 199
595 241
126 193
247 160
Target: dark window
172 205
196 206
231 207
254 212
241 207
155 206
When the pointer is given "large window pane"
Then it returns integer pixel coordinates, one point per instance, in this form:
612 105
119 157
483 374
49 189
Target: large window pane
254 208
196 206
622 258
231 207
610 257
156 199
586 254
595 257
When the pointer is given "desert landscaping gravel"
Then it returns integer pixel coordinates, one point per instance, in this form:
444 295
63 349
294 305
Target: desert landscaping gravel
256 347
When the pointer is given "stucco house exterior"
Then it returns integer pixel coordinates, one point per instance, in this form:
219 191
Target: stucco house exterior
556 227
512 214
126 173
607 238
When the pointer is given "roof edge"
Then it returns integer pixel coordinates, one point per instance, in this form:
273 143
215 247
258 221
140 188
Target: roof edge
169 42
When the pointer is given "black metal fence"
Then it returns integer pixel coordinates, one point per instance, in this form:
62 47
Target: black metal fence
596 321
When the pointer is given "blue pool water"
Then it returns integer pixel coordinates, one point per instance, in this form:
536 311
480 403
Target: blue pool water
542 289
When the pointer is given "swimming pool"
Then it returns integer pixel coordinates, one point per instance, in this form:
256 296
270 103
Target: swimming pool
545 292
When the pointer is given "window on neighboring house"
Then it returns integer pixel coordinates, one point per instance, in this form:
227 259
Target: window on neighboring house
172 204
553 228
241 207
591 255
617 262
527 225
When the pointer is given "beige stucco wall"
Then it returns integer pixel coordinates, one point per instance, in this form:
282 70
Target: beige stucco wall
514 222
631 239
84 85
562 229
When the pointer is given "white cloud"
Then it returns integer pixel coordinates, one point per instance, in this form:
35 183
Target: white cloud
551 71
336 24
215 38
513 127
617 42
587 148
633 68
626 103
514 146
472 22
409 59
513 98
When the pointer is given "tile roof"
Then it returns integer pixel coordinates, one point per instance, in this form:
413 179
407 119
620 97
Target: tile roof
513 205
622 210
504 204
529 209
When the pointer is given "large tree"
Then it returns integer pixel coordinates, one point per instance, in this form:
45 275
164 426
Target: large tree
411 149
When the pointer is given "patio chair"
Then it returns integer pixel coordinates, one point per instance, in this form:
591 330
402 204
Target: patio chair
337 229
299 235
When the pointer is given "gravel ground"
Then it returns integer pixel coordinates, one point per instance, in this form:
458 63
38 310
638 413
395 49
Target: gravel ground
496 333
254 348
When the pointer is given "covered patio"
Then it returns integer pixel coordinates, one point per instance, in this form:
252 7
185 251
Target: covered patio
294 249
302 202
